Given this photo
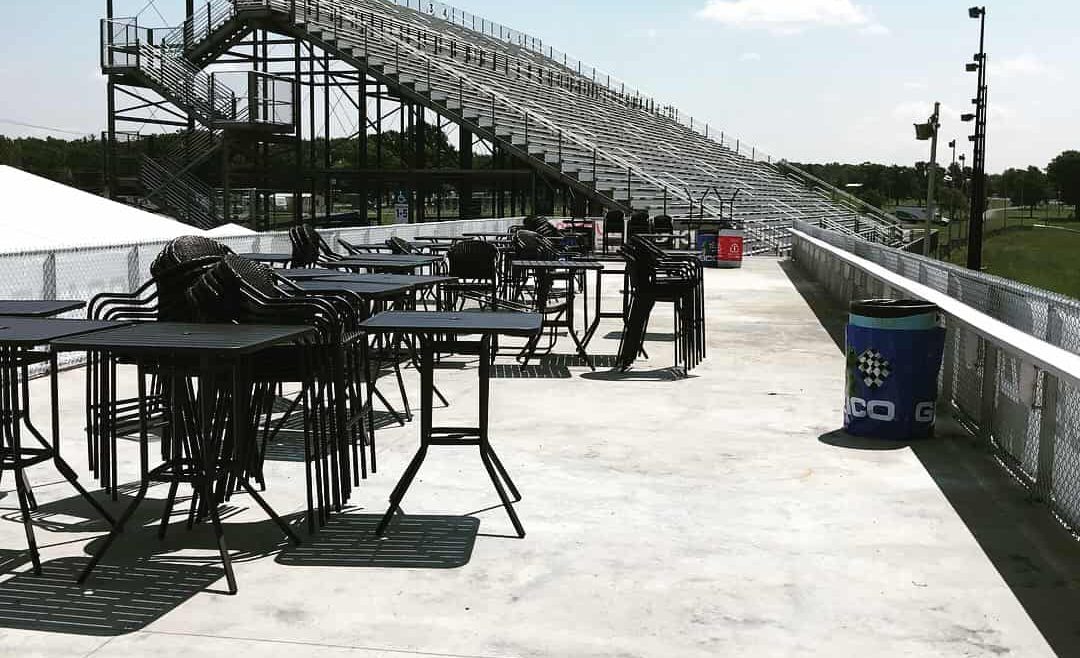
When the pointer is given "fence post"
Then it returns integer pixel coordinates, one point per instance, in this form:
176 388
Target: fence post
989 392
1044 476
48 280
133 269
952 340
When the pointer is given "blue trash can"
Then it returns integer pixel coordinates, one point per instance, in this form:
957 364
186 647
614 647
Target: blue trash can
706 246
894 350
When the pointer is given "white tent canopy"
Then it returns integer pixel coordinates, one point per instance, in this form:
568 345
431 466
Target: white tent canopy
38 214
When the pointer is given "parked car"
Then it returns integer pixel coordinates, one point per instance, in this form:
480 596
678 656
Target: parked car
917 215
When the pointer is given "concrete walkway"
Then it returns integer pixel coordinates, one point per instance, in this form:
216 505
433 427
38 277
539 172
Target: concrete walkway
717 515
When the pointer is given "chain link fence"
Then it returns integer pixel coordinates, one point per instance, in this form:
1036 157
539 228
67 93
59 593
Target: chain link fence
81 273
1028 417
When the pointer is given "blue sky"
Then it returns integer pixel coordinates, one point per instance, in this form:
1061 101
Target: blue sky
809 80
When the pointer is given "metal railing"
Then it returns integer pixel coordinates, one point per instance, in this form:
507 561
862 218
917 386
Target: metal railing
190 199
1011 371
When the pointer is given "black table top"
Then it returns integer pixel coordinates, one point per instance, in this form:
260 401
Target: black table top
480 322
28 332
559 264
190 338
413 280
278 257
364 260
301 273
380 246
362 289
439 238
486 234
38 308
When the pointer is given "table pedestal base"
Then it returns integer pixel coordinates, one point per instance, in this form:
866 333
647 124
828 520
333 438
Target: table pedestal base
455 436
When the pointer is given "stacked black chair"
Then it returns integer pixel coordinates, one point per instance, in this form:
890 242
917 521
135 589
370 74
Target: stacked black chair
475 265
401 246
638 223
329 370
613 226
526 245
309 249
163 298
664 224
653 277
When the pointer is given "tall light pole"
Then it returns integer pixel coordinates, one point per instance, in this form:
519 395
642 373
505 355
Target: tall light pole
924 131
978 160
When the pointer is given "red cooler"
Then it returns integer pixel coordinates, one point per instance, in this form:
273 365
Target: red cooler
729 248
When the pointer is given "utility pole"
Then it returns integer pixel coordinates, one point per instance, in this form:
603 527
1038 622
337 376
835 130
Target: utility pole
924 131
978 175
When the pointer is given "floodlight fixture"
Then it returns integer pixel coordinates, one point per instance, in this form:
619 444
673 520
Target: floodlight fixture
967 117
971 68
976 12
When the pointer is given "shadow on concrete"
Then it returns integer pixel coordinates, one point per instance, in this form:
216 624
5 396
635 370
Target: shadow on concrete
73 514
1036 557
287 444
411 542
649 336
117 599
12 560
841 439
542 371
669 374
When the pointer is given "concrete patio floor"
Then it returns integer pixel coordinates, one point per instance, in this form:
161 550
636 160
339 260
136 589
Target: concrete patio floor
717 515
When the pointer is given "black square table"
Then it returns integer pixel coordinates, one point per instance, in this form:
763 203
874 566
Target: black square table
427 326
365 290
438 238
302 273
205 448
544 269
270 258
414 281
18 338
385 262
484 235
38 308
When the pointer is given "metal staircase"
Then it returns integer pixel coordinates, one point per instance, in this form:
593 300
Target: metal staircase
160 64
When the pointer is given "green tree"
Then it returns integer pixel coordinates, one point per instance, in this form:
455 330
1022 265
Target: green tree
1064 174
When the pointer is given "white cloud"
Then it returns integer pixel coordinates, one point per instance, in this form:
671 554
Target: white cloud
921 110
915 85
790 16
875 30
1025 64
749 57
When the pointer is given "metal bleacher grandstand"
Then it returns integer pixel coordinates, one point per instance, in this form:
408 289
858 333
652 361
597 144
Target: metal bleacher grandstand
609 142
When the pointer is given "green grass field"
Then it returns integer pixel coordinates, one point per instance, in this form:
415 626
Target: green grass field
1041 257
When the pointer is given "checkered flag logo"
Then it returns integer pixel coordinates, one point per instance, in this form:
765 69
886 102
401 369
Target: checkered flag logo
874 368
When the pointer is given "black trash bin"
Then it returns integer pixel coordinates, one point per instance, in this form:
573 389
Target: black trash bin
894 350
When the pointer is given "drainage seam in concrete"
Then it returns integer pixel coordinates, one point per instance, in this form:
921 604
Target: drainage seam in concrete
316 644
